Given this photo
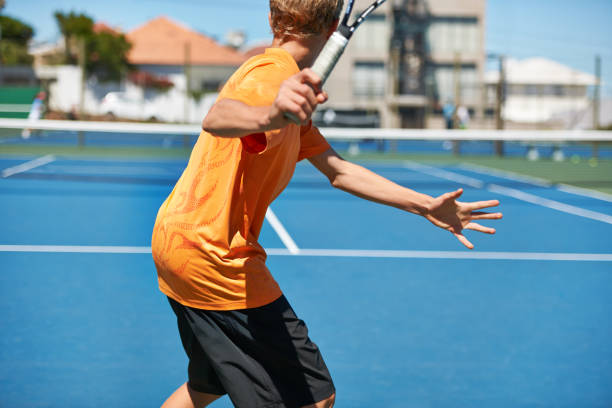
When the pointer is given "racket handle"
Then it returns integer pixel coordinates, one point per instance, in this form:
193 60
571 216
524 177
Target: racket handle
329 56
325 62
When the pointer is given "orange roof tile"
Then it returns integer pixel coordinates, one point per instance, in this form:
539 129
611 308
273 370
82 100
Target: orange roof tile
162 42
101 27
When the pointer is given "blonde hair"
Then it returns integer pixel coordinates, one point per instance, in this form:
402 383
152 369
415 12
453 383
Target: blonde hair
303 18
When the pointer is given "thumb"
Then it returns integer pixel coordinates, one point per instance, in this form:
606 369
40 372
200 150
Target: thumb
453 195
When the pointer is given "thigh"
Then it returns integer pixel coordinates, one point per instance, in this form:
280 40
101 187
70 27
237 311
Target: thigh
201 373
279 341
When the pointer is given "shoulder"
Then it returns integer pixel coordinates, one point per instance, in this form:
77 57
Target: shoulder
261 76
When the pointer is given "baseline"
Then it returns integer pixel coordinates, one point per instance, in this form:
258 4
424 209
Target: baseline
343 253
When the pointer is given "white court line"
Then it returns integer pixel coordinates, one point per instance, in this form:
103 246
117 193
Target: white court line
536 181
476 168
511 256
32 164
545 202
345 253
566 188
511 192
433 171
77 249
281 231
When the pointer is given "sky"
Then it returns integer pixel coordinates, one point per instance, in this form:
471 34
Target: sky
571 32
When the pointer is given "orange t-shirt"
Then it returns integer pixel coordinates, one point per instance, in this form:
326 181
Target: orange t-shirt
205 237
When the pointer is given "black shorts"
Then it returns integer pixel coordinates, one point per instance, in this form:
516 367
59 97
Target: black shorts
260 357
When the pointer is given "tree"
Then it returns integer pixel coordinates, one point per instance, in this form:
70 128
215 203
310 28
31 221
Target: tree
105 52
14 42
107 56
73 27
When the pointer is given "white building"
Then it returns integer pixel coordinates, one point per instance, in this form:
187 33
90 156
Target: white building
541 91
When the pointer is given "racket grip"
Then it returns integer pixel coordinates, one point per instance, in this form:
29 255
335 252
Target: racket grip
329 56
325 62
292 118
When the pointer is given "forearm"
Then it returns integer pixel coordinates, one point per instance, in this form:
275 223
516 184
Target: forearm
232 118
366 184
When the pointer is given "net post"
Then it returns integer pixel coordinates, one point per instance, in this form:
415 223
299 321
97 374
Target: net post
499 148
81 139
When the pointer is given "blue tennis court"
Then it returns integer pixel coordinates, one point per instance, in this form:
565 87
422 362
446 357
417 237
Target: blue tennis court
404 316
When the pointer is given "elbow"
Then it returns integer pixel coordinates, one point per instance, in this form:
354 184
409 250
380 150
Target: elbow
207 124
335 181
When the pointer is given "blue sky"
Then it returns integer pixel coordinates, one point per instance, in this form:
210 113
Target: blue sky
569 31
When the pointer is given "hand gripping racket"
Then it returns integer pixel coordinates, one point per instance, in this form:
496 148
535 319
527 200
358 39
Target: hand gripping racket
329 56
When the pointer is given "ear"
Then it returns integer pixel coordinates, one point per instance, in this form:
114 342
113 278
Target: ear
333 27
270 20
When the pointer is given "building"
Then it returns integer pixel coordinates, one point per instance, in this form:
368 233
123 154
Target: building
163 51
541 92
405 61
164 47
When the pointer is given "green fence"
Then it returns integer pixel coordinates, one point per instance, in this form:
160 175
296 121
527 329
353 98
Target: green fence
15 101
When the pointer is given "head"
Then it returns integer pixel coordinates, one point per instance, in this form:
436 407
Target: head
301 19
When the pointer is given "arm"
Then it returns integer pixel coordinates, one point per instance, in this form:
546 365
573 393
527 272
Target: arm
298 95
443 211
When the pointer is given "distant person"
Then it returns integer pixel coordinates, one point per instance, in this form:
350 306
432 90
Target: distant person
72 115
36 111
463 115
448 111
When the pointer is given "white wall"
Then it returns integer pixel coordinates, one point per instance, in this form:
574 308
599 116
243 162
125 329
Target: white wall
169 106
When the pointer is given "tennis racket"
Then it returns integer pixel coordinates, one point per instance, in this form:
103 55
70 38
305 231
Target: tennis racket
335 46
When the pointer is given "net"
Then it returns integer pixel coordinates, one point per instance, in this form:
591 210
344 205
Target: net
580 158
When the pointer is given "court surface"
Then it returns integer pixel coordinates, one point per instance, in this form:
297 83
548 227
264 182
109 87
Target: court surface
404 315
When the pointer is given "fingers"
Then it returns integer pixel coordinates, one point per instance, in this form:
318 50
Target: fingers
463 240
300 95
322 97
486 216
308 76
479 205
480 228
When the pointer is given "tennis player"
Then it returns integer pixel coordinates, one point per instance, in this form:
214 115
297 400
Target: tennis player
240 334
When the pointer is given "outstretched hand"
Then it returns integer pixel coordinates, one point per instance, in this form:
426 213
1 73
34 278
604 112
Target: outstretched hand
454 216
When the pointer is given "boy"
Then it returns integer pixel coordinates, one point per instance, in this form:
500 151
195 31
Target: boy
239 332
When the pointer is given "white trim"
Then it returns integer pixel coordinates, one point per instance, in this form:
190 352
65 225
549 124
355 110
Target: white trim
281 231
344 253
32 164
15 107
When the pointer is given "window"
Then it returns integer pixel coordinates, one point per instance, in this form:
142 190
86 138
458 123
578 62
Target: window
454 35
444 84
369 79
373 34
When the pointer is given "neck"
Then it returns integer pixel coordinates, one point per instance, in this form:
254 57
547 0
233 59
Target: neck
303 50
